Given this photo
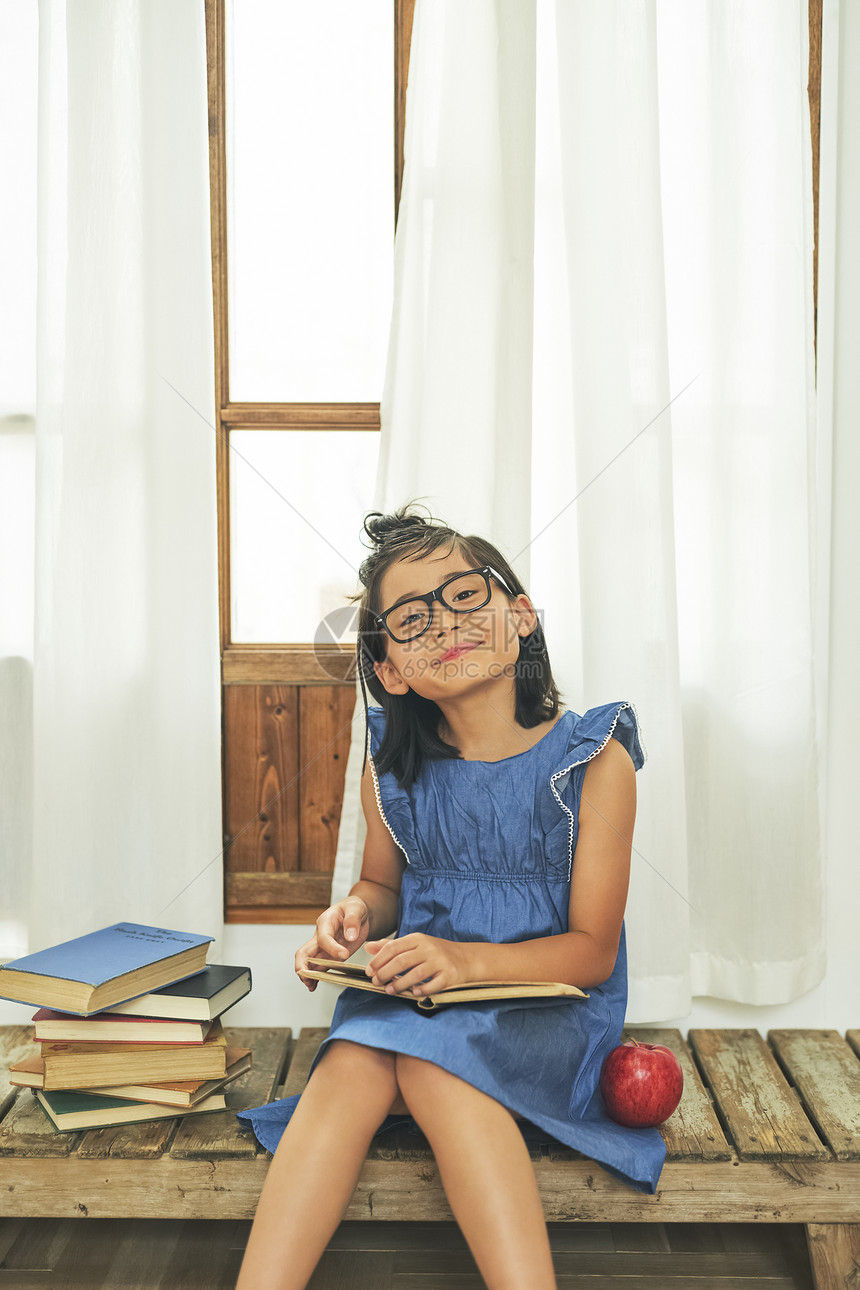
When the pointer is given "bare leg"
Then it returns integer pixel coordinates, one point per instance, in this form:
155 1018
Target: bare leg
487 1174
316 1166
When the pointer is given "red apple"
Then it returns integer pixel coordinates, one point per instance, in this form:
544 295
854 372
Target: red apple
641 1084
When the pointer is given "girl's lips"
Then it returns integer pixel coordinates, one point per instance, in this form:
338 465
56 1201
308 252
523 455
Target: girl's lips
460 649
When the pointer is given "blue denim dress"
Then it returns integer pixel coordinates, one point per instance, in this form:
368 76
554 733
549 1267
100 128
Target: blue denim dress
490 847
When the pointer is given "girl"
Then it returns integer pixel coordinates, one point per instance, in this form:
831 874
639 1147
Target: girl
478 794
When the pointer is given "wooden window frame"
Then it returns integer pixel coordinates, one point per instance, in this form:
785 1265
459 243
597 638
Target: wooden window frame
269 666
256 664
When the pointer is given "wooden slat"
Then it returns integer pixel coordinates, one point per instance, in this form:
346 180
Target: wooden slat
826 1073
216 99
262 791
693 1132
571 1191
304 914
288 665
618 1269
221 1136
852 1038
301 416
16 1044
404 13
834 1252
414 1147
326 715
762 1113
383 1147
814 94
127 1141
279 890
27 1133
305 1050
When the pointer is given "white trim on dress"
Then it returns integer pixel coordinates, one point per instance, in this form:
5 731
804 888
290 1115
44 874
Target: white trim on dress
379 799
581 762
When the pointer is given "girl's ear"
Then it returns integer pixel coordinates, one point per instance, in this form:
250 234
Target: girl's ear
524 615
390 677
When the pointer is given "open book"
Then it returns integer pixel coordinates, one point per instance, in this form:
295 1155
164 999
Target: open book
354 974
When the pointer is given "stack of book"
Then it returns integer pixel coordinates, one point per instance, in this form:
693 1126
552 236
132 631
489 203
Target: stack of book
129 1026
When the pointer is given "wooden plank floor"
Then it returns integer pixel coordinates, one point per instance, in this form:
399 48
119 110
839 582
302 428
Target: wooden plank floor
165 1254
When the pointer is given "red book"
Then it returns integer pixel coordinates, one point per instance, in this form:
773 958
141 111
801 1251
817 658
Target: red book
112 1028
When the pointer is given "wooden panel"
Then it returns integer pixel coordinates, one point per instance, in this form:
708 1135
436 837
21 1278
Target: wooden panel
289 665
301 416
278 890
261 780
762 1113
834 1251
325 730
826 1073
303 914
693 1132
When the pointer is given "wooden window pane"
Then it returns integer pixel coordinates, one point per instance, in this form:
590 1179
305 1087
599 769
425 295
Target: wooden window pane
286 751
310 210
297 501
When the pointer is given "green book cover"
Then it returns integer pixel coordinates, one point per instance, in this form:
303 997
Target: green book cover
101 1112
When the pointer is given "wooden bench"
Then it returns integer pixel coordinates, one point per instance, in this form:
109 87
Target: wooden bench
766 1132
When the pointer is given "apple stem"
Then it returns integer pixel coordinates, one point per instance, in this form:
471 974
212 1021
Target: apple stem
635 1042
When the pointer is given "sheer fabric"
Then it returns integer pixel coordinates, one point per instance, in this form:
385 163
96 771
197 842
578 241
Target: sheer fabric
124 729
601 357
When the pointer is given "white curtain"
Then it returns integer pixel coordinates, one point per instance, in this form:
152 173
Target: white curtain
122 811
601 358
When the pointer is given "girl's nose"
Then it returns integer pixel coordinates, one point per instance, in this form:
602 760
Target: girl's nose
443 619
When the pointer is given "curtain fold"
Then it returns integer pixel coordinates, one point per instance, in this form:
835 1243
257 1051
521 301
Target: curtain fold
601 358
126 803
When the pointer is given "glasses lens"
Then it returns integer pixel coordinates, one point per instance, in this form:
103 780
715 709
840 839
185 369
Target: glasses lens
409 619
469 591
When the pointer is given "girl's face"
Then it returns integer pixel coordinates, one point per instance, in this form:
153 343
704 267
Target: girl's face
458 650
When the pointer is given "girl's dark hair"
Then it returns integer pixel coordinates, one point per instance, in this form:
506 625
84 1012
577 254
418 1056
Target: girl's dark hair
411 722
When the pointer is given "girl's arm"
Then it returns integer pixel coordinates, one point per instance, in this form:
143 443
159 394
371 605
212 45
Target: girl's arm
382 868
370 909
583 956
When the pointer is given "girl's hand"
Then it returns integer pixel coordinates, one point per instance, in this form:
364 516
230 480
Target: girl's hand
429 964
340 930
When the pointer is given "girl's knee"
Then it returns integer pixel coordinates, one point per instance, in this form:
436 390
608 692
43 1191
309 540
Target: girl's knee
425 1086
357 1059
415 1075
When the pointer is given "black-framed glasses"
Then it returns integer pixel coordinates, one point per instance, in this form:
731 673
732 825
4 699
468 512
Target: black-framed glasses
461 593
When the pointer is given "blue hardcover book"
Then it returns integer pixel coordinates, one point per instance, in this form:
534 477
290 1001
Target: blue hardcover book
110 966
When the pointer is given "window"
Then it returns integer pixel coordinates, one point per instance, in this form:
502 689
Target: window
306 151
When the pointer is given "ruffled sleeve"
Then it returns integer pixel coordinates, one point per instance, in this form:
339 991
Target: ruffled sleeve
394 803
610 721
588 736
